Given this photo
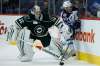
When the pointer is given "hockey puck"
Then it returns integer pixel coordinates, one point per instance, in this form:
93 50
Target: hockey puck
61 63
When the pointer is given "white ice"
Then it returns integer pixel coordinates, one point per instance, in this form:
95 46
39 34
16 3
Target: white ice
8 57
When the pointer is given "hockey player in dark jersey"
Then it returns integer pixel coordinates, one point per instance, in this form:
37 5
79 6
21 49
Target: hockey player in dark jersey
37 22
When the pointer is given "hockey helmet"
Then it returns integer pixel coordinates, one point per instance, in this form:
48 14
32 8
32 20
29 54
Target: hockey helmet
67 4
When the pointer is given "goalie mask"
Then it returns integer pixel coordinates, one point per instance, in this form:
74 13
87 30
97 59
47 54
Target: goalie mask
37 12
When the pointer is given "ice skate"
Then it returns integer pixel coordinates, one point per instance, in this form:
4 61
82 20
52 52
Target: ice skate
25 58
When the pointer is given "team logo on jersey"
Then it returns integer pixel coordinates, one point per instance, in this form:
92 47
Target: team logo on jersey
39 30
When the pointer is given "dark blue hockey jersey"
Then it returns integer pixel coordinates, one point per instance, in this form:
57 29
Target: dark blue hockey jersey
71 19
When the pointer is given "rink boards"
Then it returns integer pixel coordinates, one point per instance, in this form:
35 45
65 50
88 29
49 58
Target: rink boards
88 44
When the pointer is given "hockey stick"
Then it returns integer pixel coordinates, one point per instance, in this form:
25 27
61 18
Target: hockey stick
51 53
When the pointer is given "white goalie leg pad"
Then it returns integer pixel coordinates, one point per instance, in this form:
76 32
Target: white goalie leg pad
54 33
25 47
54 48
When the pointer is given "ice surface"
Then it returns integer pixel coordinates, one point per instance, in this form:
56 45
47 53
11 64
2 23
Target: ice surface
8 57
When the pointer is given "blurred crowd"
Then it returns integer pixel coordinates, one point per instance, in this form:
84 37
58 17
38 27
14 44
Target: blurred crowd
87 8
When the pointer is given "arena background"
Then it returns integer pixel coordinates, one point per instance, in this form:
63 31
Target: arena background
88 39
